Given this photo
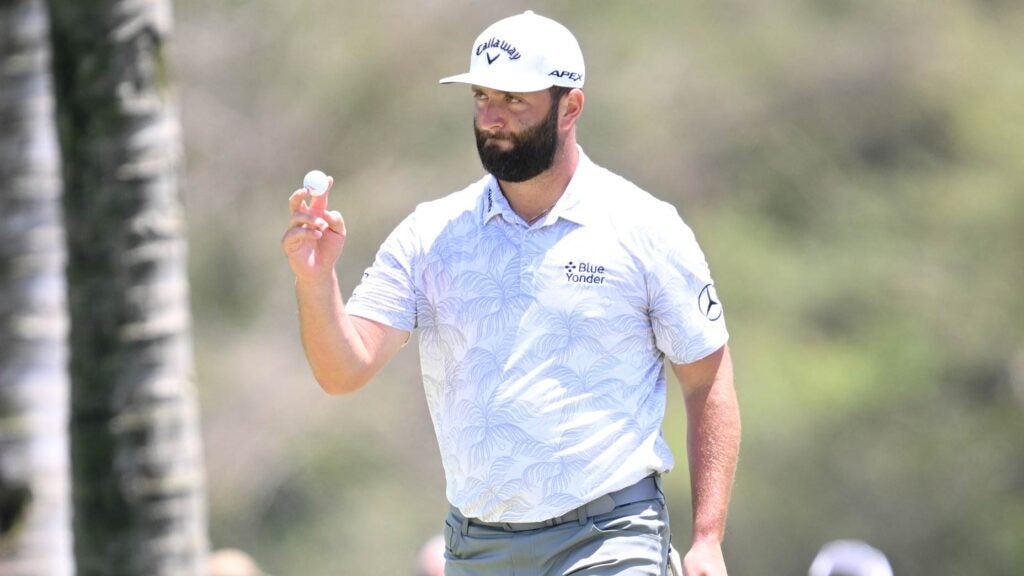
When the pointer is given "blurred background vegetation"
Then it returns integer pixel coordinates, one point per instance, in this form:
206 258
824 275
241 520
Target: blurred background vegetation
853 170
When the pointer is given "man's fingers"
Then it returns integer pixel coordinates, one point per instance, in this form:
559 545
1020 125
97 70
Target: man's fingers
335 221
295 200
319 203
308 221
295 237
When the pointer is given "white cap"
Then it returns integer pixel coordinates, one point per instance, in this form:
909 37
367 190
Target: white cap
524 53
850 558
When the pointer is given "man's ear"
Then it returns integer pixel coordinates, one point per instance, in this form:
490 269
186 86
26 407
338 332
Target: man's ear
571 107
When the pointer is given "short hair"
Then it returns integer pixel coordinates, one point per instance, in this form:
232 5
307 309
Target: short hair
558 91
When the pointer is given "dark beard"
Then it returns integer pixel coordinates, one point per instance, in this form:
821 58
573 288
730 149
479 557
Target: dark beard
532 152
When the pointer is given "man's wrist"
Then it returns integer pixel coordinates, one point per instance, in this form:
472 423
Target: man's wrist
318 282
706 542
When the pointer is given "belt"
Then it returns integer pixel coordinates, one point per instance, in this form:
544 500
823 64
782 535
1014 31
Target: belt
647 489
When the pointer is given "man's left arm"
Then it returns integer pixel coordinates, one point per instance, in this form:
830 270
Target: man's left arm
713 445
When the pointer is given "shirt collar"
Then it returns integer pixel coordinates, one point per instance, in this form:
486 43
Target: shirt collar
573 205
576 202
494 202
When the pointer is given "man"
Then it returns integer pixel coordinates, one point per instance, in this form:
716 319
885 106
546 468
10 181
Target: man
547 296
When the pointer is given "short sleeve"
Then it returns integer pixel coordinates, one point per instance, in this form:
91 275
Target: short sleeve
387 291
686 314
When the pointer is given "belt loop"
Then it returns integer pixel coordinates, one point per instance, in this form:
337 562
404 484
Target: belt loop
465 525
587 511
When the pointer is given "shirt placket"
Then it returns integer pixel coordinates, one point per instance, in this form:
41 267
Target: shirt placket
538 241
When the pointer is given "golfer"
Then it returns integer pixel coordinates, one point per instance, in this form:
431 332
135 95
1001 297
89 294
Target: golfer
547 296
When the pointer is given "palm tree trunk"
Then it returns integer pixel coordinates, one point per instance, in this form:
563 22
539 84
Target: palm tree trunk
139 500
35 510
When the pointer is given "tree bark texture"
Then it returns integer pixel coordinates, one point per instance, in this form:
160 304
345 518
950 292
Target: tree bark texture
139 498
35 494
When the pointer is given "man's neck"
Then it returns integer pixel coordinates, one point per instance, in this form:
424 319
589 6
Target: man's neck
535 197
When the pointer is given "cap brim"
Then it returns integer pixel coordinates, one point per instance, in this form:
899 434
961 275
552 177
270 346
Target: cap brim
502 82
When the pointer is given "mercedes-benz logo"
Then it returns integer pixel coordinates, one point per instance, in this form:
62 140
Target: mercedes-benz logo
710 307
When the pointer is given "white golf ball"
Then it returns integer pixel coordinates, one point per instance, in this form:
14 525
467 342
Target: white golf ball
316 182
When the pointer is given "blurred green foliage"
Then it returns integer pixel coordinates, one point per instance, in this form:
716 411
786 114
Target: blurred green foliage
853 171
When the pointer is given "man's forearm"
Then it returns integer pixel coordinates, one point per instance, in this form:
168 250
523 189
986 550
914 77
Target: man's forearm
333 345
713 442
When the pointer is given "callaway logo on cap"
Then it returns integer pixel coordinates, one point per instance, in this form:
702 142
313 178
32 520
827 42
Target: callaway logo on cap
524 53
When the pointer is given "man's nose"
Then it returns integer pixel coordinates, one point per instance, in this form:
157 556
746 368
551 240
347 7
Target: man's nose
490 118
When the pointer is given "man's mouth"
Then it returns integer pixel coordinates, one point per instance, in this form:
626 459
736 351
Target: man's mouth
499 141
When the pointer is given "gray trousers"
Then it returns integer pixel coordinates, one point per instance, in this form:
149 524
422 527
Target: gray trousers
631 539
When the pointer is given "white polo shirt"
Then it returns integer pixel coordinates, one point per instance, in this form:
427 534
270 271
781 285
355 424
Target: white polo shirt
542 346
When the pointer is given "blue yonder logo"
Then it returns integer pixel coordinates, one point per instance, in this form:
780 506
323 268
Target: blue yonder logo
584 273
